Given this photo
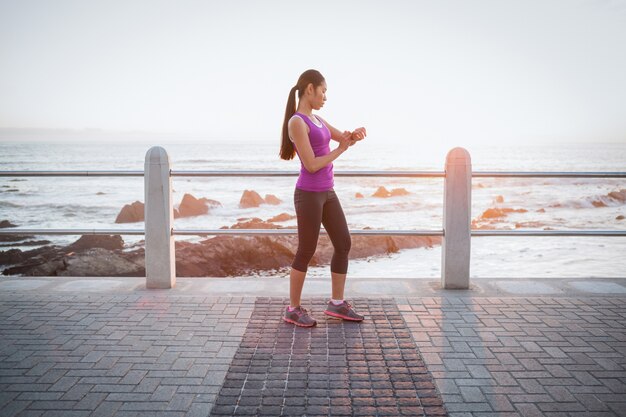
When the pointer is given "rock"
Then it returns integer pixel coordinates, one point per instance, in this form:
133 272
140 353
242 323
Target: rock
499 199
211 203
12 238
6 223
224 256
55 261
598 203
358 195
381 192
111 242
399 192
283 217
272 199
250 198
219 256
26 243
100 193
233 255
366 246
191 206
255 223
11 256
36 268
493 213
620 217
618 195
15 238
99 262
541 210
131 213
26 260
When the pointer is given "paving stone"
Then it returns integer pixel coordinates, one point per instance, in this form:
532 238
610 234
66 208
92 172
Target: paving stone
360 354
96 354
103 354
533 356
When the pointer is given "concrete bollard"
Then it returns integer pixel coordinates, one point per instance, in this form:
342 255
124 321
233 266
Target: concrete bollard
457 204
159 219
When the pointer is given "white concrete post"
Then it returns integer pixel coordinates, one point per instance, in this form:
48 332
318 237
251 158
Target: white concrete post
159 219
457 204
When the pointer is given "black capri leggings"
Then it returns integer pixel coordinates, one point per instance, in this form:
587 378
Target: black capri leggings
312 209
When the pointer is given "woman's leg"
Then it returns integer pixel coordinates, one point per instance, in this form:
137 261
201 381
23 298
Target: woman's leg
309 207
339 283
334 222
296 282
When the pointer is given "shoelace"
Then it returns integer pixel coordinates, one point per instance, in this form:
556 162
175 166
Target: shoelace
301 311
347 304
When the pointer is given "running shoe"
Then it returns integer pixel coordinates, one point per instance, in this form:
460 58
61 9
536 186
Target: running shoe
343 311
299 316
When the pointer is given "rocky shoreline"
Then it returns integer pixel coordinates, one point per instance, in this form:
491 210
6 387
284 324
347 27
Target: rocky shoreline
224 256
220 256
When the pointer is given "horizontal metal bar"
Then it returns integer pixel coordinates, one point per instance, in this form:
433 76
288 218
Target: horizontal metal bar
71 173
543 174
215 232
16 231
479 233
264 232
410 174
407 174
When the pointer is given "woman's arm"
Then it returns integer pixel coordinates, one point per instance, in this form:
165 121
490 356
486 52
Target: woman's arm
300 137
339 136
335 133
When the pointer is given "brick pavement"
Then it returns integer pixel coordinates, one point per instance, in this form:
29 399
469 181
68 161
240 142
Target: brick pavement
92 348
336 368
524 356
112 355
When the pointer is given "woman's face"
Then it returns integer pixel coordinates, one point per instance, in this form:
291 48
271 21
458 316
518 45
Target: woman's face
318 96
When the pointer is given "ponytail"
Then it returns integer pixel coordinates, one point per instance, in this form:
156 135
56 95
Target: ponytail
287 150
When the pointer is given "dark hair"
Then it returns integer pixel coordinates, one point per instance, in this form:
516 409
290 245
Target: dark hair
311 76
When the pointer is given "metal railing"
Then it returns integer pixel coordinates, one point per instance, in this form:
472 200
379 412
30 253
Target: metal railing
273 232
457 204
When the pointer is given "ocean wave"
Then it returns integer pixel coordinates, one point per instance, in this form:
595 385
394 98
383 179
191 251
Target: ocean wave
52 206
612 199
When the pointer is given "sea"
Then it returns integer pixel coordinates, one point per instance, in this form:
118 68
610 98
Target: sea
547 203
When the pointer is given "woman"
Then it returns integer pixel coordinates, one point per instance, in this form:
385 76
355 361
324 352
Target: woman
315 200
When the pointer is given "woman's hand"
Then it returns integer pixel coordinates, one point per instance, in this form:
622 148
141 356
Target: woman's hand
347 136
358 134
345 142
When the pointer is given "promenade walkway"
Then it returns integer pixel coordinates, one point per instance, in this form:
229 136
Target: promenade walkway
109 347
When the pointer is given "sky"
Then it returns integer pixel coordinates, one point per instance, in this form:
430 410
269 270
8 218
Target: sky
455 73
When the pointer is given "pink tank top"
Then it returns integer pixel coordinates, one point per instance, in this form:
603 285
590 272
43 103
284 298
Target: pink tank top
319 137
